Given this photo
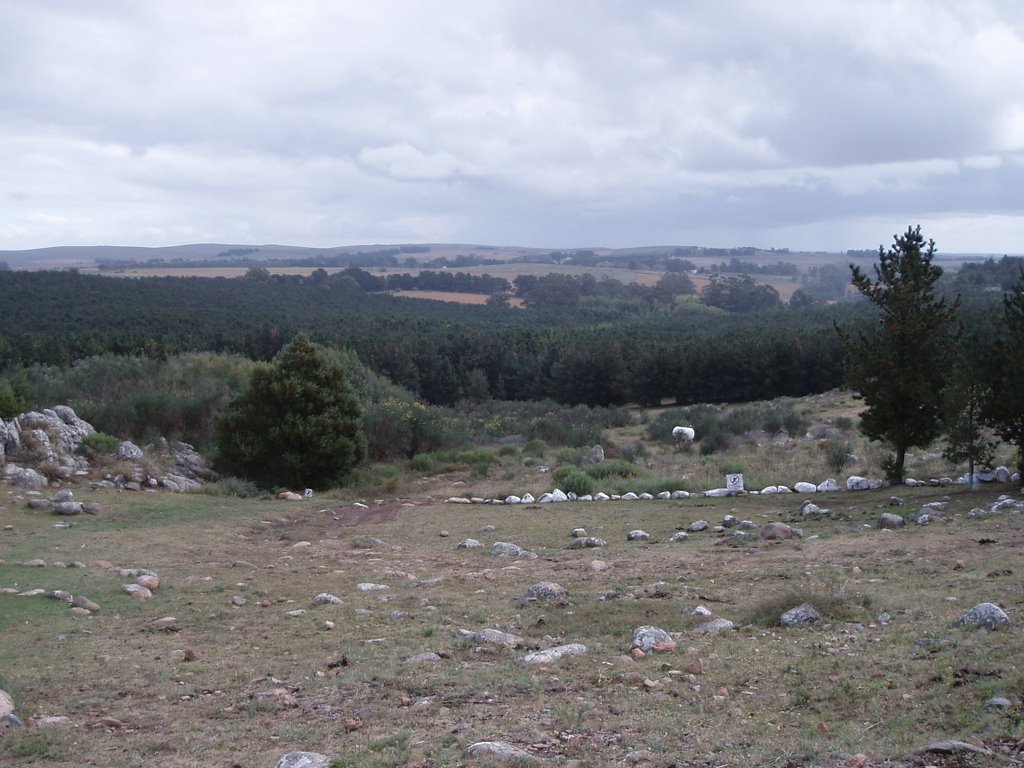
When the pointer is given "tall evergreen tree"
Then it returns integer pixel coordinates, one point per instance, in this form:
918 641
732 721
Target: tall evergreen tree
296 425
899 368
965 397
1006 409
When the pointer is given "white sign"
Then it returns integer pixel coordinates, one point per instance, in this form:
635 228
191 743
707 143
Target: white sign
734 482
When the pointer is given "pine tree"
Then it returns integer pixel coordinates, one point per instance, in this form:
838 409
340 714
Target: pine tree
296 425
899 369
965 397
1006 409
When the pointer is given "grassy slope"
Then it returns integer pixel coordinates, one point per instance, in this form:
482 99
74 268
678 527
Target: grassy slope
262 683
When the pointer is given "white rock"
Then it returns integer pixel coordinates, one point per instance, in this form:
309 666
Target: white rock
803 487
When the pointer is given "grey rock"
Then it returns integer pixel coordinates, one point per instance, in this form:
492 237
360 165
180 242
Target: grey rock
579 533
828 486
500 750
552 654
729 521
650 638
713 627
891 521
983 615
60 594
491 637
129 451
776 532
68 508
303 760
545 590
326 599
469 544
999 702
507 549
423 658
857 483
697 526
801 615
678 536
803 487
590 542
637 535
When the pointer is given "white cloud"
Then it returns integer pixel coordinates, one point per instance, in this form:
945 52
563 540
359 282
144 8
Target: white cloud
322 123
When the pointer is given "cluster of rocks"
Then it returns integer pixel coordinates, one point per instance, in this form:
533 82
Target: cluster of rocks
646 640
830 485
40 447
144 583
62 503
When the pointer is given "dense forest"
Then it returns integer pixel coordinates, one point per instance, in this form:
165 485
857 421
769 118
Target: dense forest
579 341
569 345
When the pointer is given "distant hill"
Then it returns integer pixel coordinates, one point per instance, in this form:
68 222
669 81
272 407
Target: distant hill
88 257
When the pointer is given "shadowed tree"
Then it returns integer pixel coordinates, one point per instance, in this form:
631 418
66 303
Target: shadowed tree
899 368
296 425
1006 407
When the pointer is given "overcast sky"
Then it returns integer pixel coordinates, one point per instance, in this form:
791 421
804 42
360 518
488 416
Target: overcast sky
808 124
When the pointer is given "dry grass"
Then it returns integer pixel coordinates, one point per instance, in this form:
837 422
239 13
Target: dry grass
261 683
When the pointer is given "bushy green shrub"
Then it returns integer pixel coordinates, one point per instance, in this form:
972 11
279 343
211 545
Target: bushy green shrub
611 469
447 461
297 423
579 483
98 443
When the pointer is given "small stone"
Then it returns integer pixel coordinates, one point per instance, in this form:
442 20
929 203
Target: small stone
296 613
34 563
137 591
326 599
164 622
423 658
545 590
81 601
678 536
999 702
303 760
648 639
60 594
983 615
148 580
500 750
553 654
799 616
238 601
637 535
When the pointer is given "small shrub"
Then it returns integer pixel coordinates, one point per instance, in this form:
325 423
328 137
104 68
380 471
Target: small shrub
609 469
730 467
795 423
98 443
508 450
634 453
231 486
833 602
844 423
837 454
579 483
535 448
